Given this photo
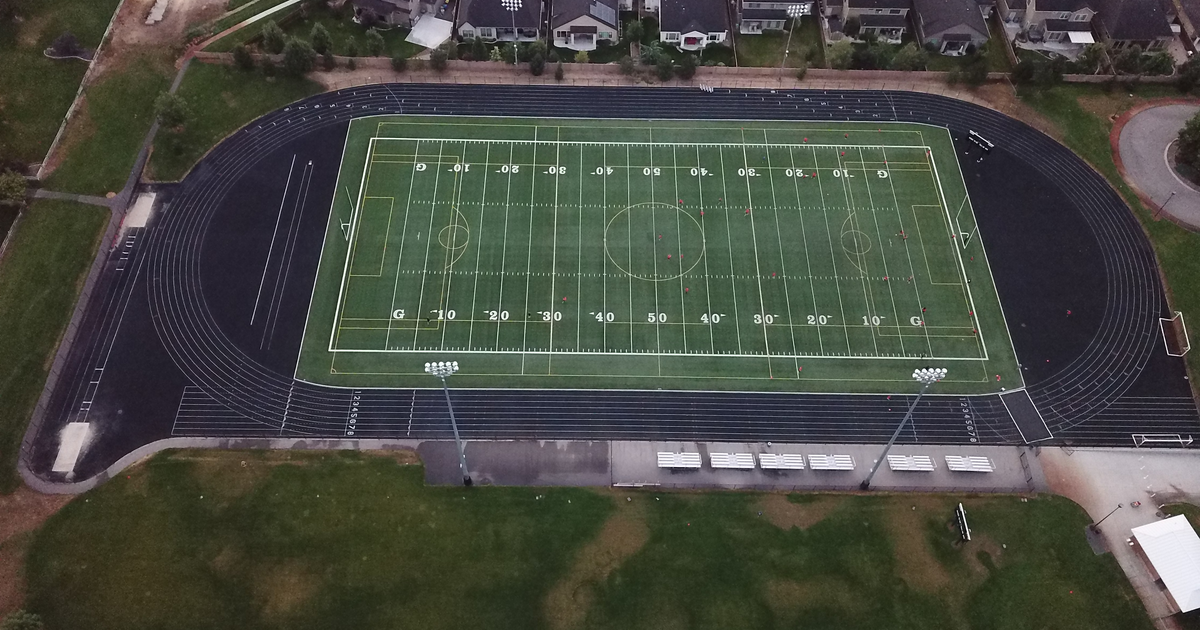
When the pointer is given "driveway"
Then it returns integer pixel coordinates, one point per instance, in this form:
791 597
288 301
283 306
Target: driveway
1143 152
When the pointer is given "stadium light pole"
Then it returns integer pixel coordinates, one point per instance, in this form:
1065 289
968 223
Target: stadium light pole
794 11
926 377
512 6
442 369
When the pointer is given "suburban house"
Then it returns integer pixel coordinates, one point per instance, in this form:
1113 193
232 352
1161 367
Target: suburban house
885 19
755 16
489 20
392 12
583 24
1188 17
1125 23
1064 25
951 26
693 24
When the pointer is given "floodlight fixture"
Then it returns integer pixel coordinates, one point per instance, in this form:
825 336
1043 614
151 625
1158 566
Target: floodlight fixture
442 369
926 377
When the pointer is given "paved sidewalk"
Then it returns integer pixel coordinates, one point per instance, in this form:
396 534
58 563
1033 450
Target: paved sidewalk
1143 137
1099 479
88 199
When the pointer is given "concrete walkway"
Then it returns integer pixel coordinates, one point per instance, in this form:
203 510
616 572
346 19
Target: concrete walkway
88 199
1143 139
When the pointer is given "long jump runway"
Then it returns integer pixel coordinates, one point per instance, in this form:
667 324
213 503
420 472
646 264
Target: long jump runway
164 349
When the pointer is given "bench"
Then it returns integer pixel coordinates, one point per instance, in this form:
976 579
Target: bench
831 462
969 463
910 463
784 461
678 460
740 461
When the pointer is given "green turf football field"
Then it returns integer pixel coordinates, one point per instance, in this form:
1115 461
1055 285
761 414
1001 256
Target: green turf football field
757 256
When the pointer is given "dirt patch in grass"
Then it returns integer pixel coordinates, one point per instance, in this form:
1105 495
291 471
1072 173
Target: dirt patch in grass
623 534
20 513
981 551
402 456
789 596
786 514
32 28
281 590
914 558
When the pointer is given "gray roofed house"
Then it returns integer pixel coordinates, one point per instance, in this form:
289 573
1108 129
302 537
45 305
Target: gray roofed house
950 25
693 24
1134 22
584 24
885 19
756 16
1188 14
489 20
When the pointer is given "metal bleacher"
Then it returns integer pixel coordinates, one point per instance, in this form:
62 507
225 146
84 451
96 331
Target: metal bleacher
831 462
781 461
969 463
678 460
740 461
910 463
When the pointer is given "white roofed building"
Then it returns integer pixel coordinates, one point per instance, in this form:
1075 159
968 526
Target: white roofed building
1172 549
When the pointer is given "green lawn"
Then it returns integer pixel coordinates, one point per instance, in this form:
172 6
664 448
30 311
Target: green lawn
765 50
35 92
1088 135
196 540
343 29
103 141
222 99
40 278
582 255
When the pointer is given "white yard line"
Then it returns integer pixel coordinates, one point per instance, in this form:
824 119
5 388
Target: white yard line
807 259
487 166
460 177
857 245
428 243
529 255
679 246
882 252
762 309
403 233
729 242
553 257
504 244
712 344
908 252
833 255
782 263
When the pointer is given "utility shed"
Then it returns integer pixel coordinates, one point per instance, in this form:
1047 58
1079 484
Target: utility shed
1172 549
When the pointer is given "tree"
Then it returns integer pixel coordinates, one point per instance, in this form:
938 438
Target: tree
635 31
1189 75
479 50
840 55
438 60
66 45
22 620
1024 72
627 65
1049 72
537 64
242 58
665 68
581 57
1129 60
321 41
12 193
687 67
910 57
496 54
1158 63
508 52
1189 143
172 111
974 69
852 27
1091 58
873 56
399 63
558 72
536 48
374 43
451 48
298 57
273 38
801 70
328 61
268 67
651 53
352 47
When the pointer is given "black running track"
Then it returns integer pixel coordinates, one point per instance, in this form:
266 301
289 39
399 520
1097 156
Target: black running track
168 349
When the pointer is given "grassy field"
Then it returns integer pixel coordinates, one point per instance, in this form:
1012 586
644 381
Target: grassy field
343 29
222 99
197 540
40 278
35 92
597 254
1086 132
102 142
765 50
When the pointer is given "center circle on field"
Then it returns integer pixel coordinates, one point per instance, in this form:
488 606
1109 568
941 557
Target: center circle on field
856 242
454 236
632 241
